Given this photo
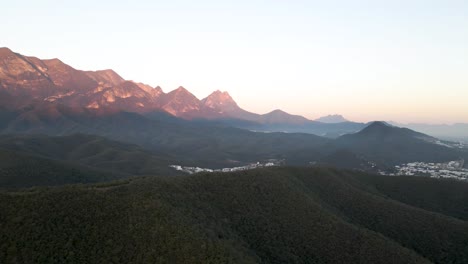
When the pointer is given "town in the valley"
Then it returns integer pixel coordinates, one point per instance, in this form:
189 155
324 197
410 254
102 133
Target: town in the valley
192 170
452 169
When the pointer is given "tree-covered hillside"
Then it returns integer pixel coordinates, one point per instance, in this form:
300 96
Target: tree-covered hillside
18 170
92 151
281 215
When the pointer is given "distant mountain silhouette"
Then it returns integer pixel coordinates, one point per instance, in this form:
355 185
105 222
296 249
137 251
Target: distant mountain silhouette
331 119
280 117
454 132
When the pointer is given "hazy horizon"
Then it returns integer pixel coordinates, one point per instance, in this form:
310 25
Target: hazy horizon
366 60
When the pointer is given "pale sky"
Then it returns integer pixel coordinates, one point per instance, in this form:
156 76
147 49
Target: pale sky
405 61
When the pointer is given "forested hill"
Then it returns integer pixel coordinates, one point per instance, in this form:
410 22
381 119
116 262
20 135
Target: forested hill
280 215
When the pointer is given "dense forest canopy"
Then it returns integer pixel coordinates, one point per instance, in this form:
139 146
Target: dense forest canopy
280 215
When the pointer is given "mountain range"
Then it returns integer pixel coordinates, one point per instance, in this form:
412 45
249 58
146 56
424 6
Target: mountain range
27 79
86 176
52 98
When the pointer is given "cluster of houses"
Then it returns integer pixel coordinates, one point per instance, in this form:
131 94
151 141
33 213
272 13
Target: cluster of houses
192 170
452 169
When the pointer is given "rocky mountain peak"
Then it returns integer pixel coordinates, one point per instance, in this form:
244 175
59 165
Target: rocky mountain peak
220 102
181 89
180 101
182 94
218 98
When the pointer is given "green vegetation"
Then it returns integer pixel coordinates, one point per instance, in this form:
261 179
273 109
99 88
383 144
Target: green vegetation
280 215
91 151
445 196
35 160
20 170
